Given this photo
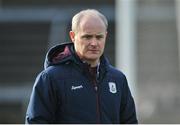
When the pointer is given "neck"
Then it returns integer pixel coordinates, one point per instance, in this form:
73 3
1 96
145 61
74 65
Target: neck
92 63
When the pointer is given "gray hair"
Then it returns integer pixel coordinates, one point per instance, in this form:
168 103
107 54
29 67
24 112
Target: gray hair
91 12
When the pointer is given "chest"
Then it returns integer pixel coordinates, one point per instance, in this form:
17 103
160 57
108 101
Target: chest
78 91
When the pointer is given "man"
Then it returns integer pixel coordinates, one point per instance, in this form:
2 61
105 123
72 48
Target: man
78 85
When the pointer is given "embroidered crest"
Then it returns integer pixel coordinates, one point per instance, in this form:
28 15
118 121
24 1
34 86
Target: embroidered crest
112 87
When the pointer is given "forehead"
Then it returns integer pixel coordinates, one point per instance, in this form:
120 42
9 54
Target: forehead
92 24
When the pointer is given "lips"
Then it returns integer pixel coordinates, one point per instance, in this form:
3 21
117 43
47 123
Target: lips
94 51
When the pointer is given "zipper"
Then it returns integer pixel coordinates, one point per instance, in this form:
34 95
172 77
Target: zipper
93 79
97 101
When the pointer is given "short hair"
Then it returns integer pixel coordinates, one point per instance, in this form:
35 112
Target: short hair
88 12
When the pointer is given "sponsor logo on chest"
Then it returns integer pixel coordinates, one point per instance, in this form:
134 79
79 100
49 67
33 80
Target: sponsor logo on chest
76 87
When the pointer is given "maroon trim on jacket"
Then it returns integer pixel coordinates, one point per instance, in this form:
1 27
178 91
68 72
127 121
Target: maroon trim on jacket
60 55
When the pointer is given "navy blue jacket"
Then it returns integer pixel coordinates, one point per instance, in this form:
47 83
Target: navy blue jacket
67 91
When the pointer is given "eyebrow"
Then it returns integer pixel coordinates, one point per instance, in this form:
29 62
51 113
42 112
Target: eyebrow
91 35
99 35
86 35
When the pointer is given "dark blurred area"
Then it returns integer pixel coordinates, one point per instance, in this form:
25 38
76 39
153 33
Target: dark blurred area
29 28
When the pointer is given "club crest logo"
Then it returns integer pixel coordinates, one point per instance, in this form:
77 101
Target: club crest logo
112 87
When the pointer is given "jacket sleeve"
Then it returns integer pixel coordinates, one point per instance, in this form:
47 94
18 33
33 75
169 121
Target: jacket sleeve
42 105
128 111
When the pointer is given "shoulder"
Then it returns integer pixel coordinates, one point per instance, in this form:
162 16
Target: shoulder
48 78
111 70
114 72
60 71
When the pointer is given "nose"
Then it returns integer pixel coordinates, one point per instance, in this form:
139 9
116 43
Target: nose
94 42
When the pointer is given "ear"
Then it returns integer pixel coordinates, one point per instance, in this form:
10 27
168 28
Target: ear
106 33
72 36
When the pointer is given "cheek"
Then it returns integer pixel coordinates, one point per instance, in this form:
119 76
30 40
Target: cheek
102 45
82 48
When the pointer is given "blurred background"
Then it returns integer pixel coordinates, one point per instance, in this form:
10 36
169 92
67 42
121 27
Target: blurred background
143 41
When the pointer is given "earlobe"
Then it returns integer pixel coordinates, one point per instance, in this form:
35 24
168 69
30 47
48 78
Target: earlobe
72 35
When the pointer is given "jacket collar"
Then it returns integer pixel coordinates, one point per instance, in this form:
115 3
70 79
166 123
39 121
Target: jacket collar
65 53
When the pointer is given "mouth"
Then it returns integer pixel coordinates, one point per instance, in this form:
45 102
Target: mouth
94 51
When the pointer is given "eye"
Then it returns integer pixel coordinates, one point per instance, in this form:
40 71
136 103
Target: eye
99 37
88 37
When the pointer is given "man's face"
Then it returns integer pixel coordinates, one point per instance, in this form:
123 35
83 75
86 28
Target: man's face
89 40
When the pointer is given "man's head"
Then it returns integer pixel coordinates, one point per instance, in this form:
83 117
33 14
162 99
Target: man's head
89 30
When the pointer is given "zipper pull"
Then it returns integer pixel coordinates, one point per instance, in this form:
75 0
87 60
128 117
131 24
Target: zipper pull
96 88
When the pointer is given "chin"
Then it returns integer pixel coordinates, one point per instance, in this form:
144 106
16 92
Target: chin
93 57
